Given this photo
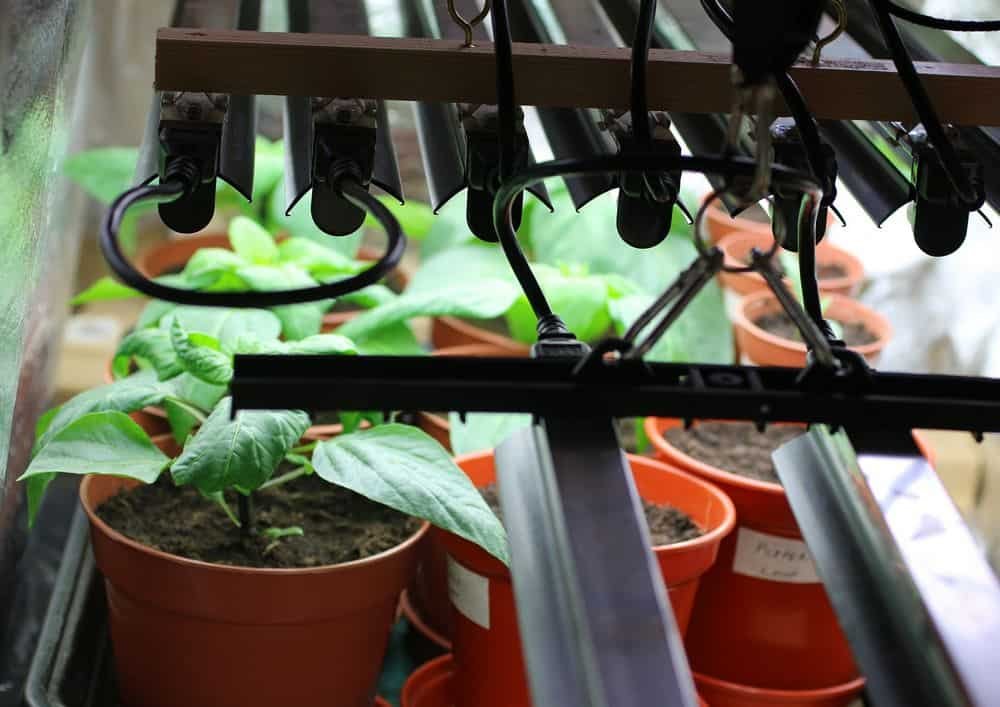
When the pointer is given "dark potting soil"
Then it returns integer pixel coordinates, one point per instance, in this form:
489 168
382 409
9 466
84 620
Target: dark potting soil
736 447
824 271
780 324
339 525
667 525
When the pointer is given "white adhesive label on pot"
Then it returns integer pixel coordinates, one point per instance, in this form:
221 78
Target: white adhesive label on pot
469 593
773 558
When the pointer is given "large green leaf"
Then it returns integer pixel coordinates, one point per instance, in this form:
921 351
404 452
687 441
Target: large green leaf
320 262
252 242
194 391
320 344
369 297
104 290
182 418
208 265
581 301
107 443
201 359
298 320
394 340
401 467
468 263
104 172
154 347
483 430
125 395
484 299
239 453
226 325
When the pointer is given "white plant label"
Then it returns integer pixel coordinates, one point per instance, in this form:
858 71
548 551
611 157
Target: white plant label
470 593
773 558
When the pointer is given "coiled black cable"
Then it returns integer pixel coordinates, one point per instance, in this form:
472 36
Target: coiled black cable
918 18
922 104
180 178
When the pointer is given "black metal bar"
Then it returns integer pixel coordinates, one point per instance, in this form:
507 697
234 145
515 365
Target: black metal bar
916 600
620 389
593 611
571 132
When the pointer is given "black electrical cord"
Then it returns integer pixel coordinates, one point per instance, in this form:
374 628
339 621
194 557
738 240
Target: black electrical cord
917 18
181 177
640 62
506 101
922 104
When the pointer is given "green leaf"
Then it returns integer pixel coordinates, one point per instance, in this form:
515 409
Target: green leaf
153 346
581 301
483 299
416 218
321 345
279 533
369 297
483 431
125 395
196 392
226 325
394 340
35 491
469 263
105 172
153 313
242 452
104 290
299 320
401 467
320 262
44 421
252 242
449 229
206 363
209 265
183 419
107 443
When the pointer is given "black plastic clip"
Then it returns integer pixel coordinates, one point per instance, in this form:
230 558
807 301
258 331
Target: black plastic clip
788 150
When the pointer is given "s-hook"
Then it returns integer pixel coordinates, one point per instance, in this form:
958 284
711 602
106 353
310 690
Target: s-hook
468 25
840 9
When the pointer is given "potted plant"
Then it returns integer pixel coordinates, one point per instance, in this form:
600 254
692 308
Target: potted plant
719 224
766 336
288 598
837 271
688 519
762 629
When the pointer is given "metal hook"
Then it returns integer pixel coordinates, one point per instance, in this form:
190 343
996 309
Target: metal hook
841 11
468 25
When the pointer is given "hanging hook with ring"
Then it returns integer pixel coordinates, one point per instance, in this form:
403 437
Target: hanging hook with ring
840 10
468 25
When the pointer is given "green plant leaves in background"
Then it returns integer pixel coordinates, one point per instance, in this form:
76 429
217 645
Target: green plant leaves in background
482 431
224 325
252 242
104 172
468 263
401 467
152 346
107 443
105 289
201 356
243 452
300 223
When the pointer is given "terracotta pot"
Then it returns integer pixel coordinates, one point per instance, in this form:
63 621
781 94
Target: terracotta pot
719 224
194 633
171 256
737 247
437 426
431 685
727 694
762 348
452 332
485 637
761 623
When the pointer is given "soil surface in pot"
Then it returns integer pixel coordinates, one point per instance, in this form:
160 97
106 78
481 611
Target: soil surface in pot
780 324
824 271
736 447
667 525
339 525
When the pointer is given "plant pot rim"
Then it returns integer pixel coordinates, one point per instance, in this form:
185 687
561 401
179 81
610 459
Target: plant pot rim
792 697
732 246
417 621
654 431
708 537
482 337
875 322
99 525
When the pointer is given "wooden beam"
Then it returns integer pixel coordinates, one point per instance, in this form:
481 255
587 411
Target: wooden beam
546 75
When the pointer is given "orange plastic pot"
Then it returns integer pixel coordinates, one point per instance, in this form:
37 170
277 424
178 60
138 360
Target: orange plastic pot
726 694
451 332
431 685
762 617
489 669
737 246
194 633
762 348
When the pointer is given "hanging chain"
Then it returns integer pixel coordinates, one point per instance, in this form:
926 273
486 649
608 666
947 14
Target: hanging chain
468 25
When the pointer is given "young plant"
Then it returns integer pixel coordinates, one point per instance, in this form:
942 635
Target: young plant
186 366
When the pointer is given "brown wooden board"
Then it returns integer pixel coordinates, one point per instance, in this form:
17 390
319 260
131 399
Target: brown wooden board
545 75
